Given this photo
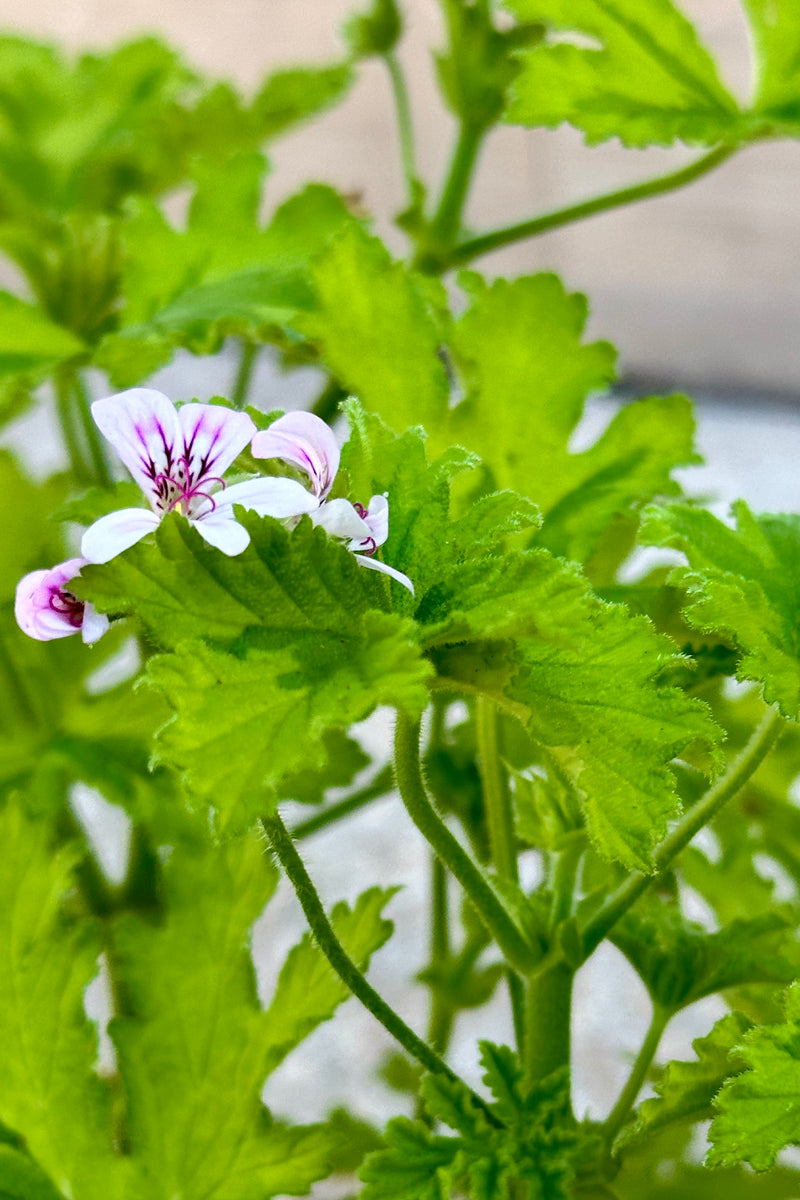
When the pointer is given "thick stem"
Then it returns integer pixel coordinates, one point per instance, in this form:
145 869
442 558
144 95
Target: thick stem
726 787
486 900
447 221
284 850
343 808
405 128
498 238
547 1026
627 1097
244 374
92 435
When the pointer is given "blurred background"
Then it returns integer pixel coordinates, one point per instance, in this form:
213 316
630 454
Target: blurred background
700 290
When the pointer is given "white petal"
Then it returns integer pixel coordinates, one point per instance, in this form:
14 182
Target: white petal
340 519
268 497
116 532
143 427
306 442
213 436
94 625
377 519
223 533
375 565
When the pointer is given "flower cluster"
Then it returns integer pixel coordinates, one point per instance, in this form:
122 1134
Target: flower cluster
179 457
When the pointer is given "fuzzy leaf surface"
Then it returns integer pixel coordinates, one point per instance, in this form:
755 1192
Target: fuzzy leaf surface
743 583
645 77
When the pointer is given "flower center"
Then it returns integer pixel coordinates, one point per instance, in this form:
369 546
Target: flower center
67 605
178 489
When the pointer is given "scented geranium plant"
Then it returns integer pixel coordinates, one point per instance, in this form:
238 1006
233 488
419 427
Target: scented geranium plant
427 542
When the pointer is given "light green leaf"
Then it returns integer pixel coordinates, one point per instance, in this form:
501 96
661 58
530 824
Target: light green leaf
645 77
30 343
224 274
22 1179
192 1058
49 1092
743 583
775 28
686 1090
308 992
759 1109
375 332
291 96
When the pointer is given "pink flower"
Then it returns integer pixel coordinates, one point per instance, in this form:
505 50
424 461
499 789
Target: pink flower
304 441
178 458
45 608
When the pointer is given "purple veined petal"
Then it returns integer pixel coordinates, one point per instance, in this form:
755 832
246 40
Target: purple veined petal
306 442
223 533
213 437
385 569
116 532
44 608
377 518
269 497
339 519
94 625
143 427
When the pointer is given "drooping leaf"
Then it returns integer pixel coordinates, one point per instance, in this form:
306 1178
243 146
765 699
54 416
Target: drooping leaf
224 274
192 1057
49 1092
644 77
743 583
308 992
686 1090
759 1109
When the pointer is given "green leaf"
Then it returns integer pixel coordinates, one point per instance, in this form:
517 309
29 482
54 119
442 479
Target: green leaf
759 1109
49 1092
22 1179
98 502
645 77
344 758
537 1146
376 333
375 31
308 992
224 274
743 583
776 34
30 343
291 96
193 1056
686 1090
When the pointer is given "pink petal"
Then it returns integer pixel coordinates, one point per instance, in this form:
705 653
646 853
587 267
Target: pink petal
306 442
339 519
33 607
94 625
268 497
375 565
377 519
223 533
213 437
143 427
116 532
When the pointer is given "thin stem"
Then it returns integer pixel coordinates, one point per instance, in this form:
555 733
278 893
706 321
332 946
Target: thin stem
726 787
244 374
627 1097
565 870
343 808
92 434
66 415
497 238
447 221
441 1018
284 850
486 900
500 819
405 128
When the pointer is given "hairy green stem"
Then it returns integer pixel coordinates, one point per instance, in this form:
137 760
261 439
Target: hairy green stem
441 1018
627 1097
726 787
447 221
92 434
343 808
405 127
547 1021
491 909
498 238
244 374
284 849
